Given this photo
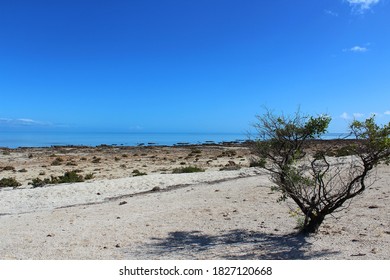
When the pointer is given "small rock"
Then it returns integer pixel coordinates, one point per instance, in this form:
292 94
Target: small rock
117 246
123 203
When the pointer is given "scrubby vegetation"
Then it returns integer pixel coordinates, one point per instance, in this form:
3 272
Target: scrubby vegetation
9 168
188 169
136 172
68 177
58 161
9 182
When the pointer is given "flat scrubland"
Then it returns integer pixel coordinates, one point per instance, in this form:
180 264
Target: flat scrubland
134 203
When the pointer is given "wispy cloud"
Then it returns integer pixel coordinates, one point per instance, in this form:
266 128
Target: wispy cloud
356 49
358 115
345 116
22 122
362 6
348 116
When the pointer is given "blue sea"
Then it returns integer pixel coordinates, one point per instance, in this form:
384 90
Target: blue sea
15 139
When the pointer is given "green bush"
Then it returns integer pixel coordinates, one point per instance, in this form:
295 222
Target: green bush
136 172
37 182
9 182
68 177
188 169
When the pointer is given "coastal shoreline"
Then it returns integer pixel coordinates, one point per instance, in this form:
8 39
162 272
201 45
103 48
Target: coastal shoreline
227 211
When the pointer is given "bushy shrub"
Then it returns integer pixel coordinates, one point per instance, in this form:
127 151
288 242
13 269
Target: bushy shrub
188 169
136 172
9 182
68 177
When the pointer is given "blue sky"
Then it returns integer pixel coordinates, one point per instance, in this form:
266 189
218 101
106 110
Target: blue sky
191 66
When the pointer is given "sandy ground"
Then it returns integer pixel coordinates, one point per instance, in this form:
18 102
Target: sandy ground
209 215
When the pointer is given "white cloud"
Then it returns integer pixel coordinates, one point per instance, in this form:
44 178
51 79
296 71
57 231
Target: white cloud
358 115
356 49
362 5
345 116
387 112
21 122
27 121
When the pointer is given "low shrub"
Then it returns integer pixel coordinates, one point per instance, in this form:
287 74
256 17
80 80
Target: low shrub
68 177
9 182
57 161
188 169
37 182
9 168
136 172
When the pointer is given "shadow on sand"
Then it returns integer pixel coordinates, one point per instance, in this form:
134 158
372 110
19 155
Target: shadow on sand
237 244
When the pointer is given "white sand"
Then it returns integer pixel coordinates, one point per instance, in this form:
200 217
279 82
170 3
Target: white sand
213 215
49 197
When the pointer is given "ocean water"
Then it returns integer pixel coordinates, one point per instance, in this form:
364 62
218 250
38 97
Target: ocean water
15 139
